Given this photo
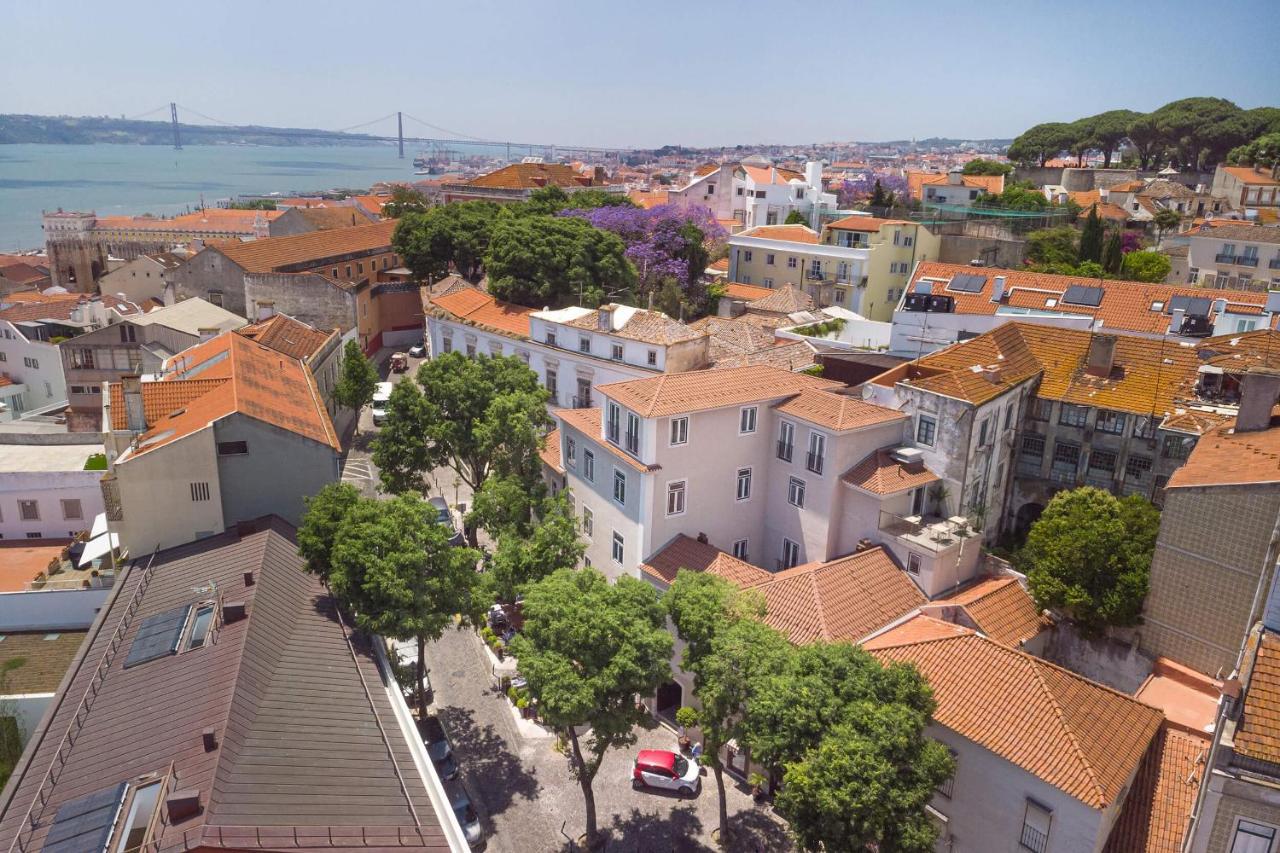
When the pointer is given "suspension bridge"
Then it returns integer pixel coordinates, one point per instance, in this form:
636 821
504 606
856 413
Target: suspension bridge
368 134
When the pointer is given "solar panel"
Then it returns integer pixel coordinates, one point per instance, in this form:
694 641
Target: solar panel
967 283
85 823
1083 294
157 636
1196 306
924 287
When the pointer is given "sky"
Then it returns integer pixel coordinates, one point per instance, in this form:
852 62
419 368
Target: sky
639 74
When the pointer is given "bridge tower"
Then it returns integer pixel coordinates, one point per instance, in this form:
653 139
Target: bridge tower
400 132
177 135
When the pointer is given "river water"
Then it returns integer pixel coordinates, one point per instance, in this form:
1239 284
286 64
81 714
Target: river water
130 179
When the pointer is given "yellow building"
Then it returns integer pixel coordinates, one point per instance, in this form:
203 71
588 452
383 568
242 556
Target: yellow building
895 245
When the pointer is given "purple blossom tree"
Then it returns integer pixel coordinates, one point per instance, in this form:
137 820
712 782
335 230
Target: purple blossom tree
1130 241
850 192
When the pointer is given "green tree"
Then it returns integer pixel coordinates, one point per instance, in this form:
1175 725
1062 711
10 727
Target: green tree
726 651
795 217
1090 556
1166 220
358 380
483 415
987 167
393 566
505 504
874 716
1263 153
405 200
546 201
1146 266
451 236
1091 236
879 197
587 649
325 512
521 560
1148 141
1108 130
543 261
1053 246
1202 131
400 449
1042 143
1112 253
593 198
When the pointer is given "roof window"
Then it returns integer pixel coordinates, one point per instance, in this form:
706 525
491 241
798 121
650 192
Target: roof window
1157 305
181 629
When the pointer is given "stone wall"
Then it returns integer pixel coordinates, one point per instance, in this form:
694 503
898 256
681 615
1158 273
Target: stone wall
1112 661
308 297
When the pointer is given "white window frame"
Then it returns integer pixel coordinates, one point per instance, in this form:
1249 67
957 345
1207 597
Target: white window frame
1254 829
744 475
588 465
679 429
816 440
933 421
790 553
617 548
745 414
79 516
678 489
22 510
741 549
588 522
795 492
619 479
913 563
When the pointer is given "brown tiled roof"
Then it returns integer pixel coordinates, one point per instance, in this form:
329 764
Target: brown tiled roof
872 224
209 219
700 390
842 599
274 254
1001 609
1223 457
1251 175
788 233
1125 306
550 451
286 335
652 327
1082 738
1239 231
1258 732
20 273
837 411
1156 811
588 422
787 299
294 698
470 304
747 292
684 552
32 306
1163 188
732 337
881 474
228 373
36 661
916 181
794 356
324 218
529 176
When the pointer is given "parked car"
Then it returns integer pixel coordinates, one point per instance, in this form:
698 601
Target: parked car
437 744
418 351
444 516
400 362
381 396
467 817
670 771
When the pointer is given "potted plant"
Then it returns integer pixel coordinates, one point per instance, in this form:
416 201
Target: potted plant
512 694
500 649
686 718
523 705
757 781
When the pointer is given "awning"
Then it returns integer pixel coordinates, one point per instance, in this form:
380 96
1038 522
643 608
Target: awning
99 525
98 548
1210 368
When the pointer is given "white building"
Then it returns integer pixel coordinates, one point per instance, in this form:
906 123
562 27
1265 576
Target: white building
773 467
45 491
755 192
776 255
1233 255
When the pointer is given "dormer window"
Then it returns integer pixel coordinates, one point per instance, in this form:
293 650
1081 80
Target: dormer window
584 343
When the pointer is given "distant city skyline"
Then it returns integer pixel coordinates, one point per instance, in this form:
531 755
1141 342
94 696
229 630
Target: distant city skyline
698 74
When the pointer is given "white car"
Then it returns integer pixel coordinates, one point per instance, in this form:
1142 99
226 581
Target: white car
661 768
381 396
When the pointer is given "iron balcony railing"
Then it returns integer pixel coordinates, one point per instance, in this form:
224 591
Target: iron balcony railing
582 402
1223 258
1247 260
813 462
784 450
1033 839
1274 263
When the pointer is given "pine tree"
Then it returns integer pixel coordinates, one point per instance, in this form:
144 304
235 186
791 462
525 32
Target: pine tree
879 198
1091 237
1112 253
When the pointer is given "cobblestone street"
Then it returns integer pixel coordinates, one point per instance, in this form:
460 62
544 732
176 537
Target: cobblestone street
526 795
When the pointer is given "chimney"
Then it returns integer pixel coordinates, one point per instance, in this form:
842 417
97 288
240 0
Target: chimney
993 373
864 544
232 611
955 177
702 537
182 804
604 318
997 289
813 174
1101 357
598 176
136 415
1258 394
210 739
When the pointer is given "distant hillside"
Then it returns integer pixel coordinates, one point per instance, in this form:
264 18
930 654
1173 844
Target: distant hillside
69 130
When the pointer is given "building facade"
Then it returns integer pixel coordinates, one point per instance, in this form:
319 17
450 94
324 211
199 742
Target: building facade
46 491
1234 256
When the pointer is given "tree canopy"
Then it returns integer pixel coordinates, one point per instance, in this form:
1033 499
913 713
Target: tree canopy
987 167
358 379
1091 236
1089 555
400 450
1146 266
588 648
325 512
556 261
522 559
456 235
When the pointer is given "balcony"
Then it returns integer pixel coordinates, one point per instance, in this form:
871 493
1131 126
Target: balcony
784 450
813 462
1247 260
814 275
1274 264
582 402
930 533
1033 839
1224 259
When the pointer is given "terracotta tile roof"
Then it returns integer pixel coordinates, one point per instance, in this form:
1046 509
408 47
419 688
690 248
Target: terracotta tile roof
372 203
301 251
550 451
588 422
1238 231
787 233
792 357
871 224
1084 739
227 374
787 299
842 599
1156 811
837 412
324 218
649 198
530 176
731 337
1107 210
721 265
1001 608
700 390
1250 175
637 324
916 181
881 474
20 273
286 335
747 292
464 302
684 552
32 306
771 174
209 219
1162 188
1258 732
1223 457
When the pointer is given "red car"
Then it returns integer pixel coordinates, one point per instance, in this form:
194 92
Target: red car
661 768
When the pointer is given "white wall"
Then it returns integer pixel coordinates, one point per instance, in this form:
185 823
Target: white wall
42 375
48 489
917 333
46 610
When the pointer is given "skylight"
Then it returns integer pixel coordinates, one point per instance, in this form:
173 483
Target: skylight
1083 294
158 636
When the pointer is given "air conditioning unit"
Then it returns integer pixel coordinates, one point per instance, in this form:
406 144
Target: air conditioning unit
907 455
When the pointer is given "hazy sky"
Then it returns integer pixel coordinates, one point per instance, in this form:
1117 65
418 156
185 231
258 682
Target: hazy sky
645 73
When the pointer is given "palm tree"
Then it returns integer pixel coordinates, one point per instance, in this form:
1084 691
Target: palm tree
1166 220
